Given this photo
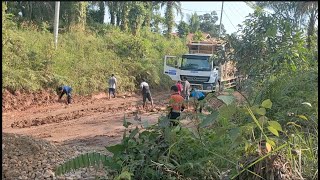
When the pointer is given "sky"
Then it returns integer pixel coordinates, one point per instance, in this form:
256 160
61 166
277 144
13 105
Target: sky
234 13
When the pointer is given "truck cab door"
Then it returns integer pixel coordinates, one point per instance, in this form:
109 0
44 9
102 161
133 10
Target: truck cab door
171 67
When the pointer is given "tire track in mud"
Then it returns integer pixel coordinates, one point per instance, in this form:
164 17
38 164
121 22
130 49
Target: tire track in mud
72 115
127 107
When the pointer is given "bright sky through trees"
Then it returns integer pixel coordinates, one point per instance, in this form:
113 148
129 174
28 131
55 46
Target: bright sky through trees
234 12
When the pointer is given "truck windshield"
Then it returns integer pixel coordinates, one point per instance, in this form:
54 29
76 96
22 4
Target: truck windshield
195 64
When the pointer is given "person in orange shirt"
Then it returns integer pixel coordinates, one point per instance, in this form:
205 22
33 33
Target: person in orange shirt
176 105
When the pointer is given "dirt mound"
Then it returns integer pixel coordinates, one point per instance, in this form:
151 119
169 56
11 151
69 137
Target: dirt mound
27 158
25 100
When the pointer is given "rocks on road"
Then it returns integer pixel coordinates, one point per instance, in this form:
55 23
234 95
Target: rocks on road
27 158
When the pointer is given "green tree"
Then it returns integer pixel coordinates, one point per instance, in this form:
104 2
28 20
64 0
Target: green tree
118 11
32 11
183 29
208 24
96 11
309 9
125 13
136 16
148 14
194 23
198 36
156 18
269 45
112 11
296 12
169 14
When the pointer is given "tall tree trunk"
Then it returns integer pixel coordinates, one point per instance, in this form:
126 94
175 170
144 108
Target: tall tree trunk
124 17
169 18
78 14
147 19
111 8
310 31
118 12
101 12
82 14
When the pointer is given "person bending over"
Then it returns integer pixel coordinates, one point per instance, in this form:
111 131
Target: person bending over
199 96
65 90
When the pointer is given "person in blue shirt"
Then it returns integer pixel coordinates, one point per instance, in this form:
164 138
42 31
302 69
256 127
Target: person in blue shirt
65 90
198 95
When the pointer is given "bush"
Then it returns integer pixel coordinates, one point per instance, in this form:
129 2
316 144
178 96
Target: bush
84 59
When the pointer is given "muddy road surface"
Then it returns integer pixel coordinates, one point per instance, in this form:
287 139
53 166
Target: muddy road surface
95 122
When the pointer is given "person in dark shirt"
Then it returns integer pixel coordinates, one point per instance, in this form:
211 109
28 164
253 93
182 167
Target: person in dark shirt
65 90
199 96
146 94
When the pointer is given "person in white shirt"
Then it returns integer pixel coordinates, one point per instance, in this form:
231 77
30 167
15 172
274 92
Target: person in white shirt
112 86
146 94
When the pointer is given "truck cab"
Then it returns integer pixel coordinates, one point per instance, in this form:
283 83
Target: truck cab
199 69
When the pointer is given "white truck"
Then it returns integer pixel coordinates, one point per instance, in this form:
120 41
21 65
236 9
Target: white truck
200 67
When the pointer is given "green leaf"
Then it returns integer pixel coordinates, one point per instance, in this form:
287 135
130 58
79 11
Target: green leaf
272 143
275 125
77 162
262 119
125 122
146 124
234 133
303 117
273 131
267 104
176 129
293 123
134 132
116 149
261 111
86 159
209 119
226 99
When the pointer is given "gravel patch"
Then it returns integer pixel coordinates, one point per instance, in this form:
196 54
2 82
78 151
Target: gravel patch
25 157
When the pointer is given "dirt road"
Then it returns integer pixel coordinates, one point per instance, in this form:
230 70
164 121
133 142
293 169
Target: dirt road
96 122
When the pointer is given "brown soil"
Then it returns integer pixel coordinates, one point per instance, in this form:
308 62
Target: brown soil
89 121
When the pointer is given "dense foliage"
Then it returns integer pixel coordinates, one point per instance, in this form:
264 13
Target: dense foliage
275 131
84 59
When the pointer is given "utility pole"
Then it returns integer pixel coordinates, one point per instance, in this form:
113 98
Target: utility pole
56 23
221 19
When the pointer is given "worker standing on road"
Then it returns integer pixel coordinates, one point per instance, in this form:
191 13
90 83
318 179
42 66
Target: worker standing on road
146 94
180 86
112 86
199 96
176 105
65 90
186 88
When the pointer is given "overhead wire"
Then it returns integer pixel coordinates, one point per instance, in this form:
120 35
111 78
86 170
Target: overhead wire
237 10
199 11
230 21
224 12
